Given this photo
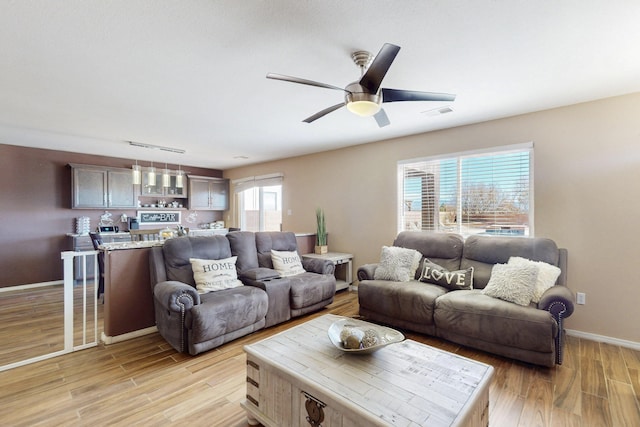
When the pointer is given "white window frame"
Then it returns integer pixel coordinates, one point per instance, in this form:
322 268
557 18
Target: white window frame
252 182
528 146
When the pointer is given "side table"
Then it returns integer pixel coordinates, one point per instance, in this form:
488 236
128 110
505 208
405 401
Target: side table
344 268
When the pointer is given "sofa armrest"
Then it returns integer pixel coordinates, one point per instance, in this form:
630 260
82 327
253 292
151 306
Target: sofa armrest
176 296
558 300
320 266
366 271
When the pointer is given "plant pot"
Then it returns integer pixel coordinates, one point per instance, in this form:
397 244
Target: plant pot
321 249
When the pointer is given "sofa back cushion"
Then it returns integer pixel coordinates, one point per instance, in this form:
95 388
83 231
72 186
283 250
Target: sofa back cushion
482 252
243 245
444 249
277 240
179 250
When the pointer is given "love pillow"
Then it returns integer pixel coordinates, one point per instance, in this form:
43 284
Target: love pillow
453 280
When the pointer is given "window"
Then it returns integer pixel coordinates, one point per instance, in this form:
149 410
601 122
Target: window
259 202
488 192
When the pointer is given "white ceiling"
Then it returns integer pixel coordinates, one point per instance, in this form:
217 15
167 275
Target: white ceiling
88 75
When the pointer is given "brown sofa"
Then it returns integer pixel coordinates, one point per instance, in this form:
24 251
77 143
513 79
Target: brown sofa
532 333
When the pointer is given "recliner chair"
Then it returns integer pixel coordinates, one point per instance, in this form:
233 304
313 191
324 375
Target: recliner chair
193 322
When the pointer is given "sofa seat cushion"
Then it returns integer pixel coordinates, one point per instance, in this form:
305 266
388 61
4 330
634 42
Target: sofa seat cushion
411 301
308 289
226 311
472 314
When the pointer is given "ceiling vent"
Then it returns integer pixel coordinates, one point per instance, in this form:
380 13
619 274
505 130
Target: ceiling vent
438 111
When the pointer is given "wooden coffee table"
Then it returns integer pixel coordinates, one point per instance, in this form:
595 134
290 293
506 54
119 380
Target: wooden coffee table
298 377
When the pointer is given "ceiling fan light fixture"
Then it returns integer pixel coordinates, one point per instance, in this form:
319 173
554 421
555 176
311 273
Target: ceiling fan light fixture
363 104
363 108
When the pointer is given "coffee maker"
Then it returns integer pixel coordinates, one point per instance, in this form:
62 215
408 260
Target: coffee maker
133 223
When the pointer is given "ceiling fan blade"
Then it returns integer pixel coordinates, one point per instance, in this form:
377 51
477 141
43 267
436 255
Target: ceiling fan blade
395 95
372 79
302 81
324 112
381 118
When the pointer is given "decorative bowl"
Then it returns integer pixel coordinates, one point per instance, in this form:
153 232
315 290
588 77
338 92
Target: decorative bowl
384 335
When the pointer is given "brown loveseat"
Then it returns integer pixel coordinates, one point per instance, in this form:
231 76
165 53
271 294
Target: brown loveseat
532 333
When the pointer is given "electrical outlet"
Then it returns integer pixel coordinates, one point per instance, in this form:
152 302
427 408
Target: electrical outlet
581 298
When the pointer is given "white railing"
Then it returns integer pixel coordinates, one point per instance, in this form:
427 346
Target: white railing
69 281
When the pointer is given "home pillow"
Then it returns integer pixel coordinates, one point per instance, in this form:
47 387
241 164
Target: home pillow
454 280
397 264
512 283
547 275
214 275
286 263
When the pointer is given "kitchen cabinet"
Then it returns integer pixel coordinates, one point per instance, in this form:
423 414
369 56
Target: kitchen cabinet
207 193
160 191
100 187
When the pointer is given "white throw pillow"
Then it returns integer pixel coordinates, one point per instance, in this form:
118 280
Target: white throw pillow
397 264
512 283
214 274
286 263
547 275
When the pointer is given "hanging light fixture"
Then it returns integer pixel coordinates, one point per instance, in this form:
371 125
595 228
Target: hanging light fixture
179 178
136 174
151 175
166 177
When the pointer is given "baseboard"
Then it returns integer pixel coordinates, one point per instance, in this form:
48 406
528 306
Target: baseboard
31 286
602 338
130 335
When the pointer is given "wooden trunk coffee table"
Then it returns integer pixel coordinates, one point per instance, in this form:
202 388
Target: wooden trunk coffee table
298 377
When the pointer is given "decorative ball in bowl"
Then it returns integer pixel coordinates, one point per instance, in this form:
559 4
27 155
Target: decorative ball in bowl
357 336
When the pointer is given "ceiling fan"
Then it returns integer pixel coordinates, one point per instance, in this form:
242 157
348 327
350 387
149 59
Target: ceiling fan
365 96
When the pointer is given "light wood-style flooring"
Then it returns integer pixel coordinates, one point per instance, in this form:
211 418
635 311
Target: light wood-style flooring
143 381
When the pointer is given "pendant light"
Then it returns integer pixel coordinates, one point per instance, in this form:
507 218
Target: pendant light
136 174
179 178
151 175
166 177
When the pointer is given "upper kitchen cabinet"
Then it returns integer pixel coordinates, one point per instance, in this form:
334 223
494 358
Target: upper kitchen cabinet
159 190
100 187
206 193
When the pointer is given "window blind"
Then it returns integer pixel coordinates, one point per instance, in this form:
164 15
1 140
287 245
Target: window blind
468 193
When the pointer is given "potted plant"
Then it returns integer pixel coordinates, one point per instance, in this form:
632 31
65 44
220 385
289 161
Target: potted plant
321 233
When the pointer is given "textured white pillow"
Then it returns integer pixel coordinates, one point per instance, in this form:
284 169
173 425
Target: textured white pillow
547 275
286 263
214 274
397 264
512 283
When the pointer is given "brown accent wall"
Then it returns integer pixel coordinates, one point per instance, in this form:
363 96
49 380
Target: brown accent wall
35 213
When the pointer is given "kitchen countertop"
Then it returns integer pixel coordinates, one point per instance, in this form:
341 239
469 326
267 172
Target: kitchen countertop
117 246
120 233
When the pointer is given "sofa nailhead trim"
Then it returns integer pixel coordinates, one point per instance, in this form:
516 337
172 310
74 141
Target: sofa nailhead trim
557 315
182 315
